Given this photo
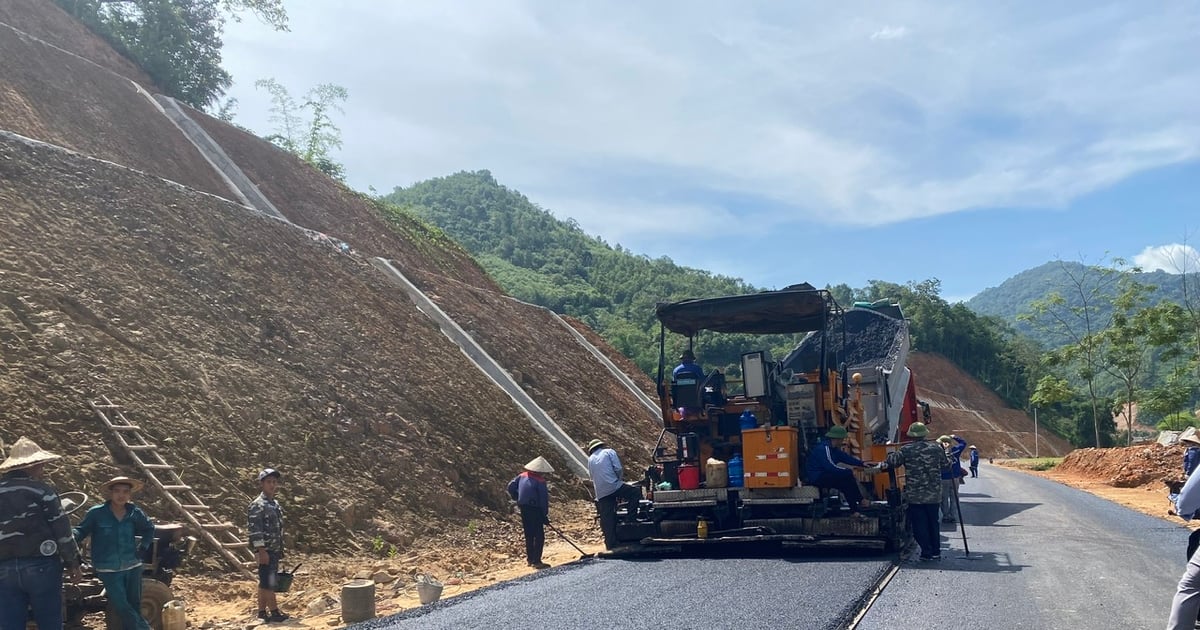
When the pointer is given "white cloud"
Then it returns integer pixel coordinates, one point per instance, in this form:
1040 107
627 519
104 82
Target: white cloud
1173 258
890 32
646 108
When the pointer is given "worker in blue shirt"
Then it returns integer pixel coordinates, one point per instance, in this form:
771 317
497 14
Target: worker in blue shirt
1191 457
116 552
608 482
822 468
974 461
532 495
687 366
954 447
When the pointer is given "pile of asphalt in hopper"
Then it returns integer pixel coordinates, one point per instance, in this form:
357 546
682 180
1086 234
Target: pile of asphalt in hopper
870 337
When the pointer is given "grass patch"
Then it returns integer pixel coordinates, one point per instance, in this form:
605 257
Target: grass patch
1033 463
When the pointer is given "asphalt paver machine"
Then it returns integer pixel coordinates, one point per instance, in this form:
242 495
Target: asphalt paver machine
728 465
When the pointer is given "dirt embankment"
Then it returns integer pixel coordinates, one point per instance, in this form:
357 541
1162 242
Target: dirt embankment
237 342
961 404
55 97
44 20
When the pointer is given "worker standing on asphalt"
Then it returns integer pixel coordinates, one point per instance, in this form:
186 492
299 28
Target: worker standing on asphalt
822 468
953 446
924 462
35 541
1185 607
609 483
974 462
532 495
114 528
266 541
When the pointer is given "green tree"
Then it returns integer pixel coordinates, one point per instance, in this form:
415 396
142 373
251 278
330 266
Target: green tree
312 141
176 42
1080 321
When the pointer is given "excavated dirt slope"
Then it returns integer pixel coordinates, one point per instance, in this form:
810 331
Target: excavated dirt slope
44 20
524 338
1129 467
238 342
960 404
49 95
309 198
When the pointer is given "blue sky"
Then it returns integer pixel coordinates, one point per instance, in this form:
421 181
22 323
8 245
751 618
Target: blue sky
780 141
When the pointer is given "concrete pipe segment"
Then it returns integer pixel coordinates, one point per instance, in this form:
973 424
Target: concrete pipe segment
358 601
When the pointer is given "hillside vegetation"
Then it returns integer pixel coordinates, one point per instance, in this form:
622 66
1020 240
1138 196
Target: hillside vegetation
548 261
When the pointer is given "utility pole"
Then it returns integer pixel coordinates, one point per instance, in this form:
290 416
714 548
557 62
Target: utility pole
1035 439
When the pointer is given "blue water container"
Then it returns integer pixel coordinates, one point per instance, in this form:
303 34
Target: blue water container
736 472
747 420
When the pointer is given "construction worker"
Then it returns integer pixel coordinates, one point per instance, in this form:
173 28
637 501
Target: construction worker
687 366
266 541
923 462
530 492
824 468
974 461
35 541
609 484
1191 457
114 527
1185 607
953 447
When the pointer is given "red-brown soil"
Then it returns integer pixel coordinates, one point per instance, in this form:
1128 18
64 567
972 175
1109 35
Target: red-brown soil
94 112
1128 467
238 342
44 20
308 198
964 406
573 388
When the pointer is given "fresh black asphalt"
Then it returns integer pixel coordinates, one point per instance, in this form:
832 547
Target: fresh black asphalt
1042 556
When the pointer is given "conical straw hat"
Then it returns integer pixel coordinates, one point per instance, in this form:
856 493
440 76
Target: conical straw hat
539 465
134 484
25 454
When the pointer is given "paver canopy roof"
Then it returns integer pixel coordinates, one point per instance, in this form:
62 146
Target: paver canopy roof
798 308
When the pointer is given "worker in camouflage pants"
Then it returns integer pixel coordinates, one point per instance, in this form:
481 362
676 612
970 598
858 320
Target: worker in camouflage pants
923 462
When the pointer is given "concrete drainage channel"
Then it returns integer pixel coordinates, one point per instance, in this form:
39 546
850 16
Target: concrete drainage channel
540 419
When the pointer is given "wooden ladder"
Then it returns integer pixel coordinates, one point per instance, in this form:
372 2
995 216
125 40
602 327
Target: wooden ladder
225 537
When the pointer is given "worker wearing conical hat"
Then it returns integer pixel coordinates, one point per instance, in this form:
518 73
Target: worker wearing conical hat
974 461
532 495
114 527
35 540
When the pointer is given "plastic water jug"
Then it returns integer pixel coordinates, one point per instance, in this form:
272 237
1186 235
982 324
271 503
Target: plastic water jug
736 472
747 420
174 615
716 473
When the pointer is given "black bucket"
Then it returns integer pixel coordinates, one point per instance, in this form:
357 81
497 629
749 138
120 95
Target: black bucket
283 579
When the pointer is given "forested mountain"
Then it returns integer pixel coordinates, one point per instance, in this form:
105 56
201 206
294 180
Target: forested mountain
547 261
1014 296
539 258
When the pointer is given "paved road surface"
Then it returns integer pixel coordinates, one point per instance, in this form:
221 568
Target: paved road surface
1042 556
